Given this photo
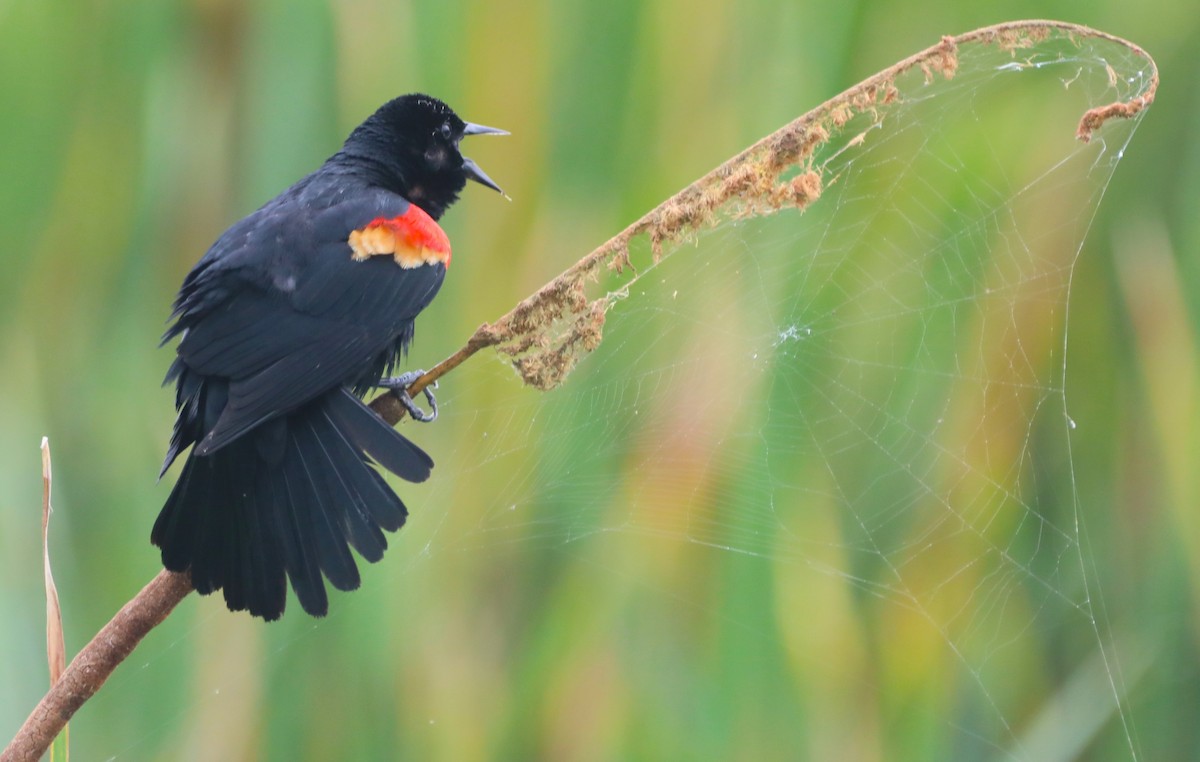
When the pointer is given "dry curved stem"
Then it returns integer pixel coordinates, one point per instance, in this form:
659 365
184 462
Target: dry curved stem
547 333
88 670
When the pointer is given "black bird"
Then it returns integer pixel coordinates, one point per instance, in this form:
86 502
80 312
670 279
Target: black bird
292 314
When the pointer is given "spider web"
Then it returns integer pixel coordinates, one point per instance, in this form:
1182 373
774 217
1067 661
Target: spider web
871 391
819 466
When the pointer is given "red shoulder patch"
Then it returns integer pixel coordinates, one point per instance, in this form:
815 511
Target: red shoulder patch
413 239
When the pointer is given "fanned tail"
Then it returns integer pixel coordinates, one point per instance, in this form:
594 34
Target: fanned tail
287 501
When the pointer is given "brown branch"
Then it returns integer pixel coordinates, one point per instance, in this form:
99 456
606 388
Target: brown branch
548 332
88 671
389 408
753 179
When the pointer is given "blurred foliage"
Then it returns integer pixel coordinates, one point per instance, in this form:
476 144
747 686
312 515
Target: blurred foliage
133 133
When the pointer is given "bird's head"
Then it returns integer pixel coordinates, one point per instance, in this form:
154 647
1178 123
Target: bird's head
412 144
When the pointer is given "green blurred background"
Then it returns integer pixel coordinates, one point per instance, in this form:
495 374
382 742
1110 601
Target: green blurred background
133 133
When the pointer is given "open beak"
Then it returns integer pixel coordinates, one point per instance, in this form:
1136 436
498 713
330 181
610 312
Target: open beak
473 172
479 129
470 168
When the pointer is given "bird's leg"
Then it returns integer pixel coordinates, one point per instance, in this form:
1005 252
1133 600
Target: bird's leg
398 385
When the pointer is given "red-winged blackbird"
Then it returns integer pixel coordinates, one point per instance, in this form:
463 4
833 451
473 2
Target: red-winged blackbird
294 312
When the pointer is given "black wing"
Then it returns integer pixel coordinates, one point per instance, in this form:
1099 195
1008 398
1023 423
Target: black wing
280 309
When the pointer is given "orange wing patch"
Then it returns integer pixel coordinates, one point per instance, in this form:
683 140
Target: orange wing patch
413 239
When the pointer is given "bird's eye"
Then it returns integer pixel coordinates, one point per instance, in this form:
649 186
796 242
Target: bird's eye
446 130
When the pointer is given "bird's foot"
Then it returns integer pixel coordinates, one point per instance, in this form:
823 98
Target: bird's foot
398 385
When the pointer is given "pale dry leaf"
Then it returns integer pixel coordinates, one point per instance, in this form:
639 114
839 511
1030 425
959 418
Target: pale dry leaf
56 650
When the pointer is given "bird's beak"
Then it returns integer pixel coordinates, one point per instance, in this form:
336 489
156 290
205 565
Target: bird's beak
473 172
470 168
479 129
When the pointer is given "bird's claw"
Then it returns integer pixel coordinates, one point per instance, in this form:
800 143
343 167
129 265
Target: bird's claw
398 385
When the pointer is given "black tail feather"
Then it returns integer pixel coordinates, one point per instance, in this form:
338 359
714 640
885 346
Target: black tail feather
298 530
255 514
377 501
314 469
383 443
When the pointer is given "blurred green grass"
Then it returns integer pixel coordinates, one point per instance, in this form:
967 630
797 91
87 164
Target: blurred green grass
134 133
